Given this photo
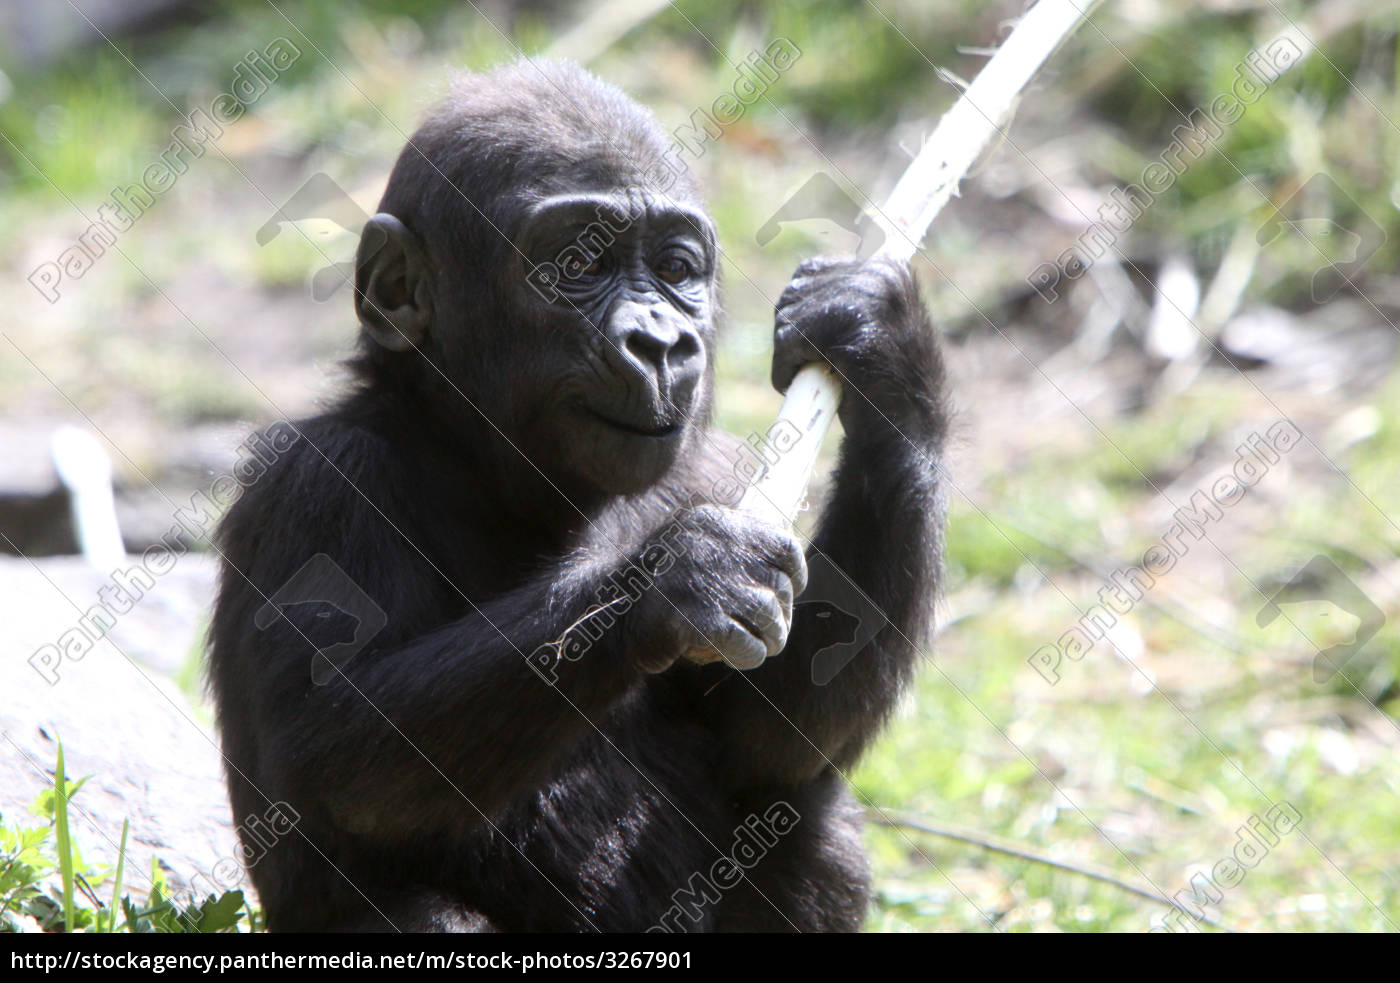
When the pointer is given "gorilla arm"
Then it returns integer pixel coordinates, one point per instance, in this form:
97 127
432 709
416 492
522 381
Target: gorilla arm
427 715
482 707
879 536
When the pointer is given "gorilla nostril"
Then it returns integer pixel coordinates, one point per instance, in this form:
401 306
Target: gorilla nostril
687 346
647 348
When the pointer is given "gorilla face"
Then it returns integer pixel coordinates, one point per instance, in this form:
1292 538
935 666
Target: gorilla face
599 347
527 258
622 285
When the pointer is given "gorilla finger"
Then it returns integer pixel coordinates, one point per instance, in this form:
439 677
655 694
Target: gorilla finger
761 613
795 565
773 621
791 352
739 647
701 655
782 587
791 294
786 555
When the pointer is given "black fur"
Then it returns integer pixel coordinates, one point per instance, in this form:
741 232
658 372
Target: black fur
469 489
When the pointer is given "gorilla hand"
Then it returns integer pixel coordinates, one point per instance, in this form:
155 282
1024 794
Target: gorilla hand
723 589
867 321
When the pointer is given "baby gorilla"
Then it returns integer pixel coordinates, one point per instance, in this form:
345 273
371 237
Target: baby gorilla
451 640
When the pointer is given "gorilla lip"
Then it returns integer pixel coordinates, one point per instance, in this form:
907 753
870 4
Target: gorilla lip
654 431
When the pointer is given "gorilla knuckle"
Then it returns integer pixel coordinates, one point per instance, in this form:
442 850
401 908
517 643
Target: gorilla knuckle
773 620
741 649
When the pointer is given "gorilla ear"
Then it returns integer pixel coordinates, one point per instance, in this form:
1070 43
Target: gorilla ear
391 284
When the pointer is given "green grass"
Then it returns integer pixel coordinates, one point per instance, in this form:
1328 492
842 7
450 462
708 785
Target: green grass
45 885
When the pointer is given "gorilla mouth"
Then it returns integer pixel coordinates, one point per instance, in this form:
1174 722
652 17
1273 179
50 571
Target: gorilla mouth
656 431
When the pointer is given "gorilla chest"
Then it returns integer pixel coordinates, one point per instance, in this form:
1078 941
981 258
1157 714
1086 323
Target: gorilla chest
617 831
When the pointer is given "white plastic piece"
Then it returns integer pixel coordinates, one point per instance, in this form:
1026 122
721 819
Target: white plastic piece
1171 332
86 471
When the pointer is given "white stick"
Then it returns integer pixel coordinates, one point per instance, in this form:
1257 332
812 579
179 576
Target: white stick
933 177
809 405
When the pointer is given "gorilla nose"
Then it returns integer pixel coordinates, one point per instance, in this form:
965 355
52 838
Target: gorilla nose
664 348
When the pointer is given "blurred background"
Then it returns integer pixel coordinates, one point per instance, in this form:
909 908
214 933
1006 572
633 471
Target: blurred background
1226 720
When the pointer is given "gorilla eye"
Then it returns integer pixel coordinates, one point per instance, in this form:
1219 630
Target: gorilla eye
579 267
674 270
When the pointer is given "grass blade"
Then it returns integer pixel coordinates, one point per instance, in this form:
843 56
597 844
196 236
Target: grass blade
65 843
117 882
